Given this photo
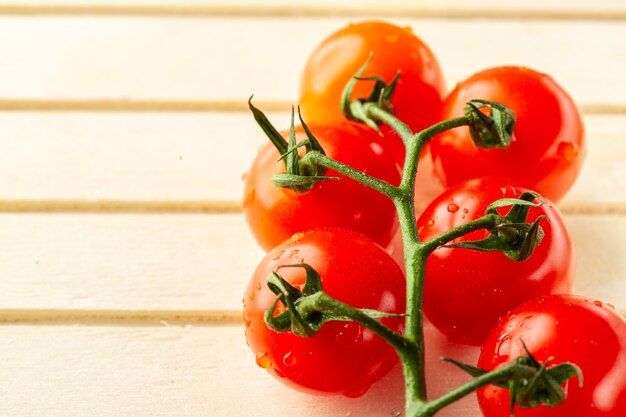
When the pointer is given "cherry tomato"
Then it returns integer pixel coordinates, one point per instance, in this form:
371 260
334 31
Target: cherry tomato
343 357
548 145
276 213
566 328
467 291
418 95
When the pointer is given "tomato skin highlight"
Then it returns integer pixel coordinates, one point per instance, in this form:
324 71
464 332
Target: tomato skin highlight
548 146
466 291
343 357
274 213
566 328
418 95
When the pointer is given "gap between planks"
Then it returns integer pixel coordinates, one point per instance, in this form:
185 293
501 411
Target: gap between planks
235 106
214 207
125 318
120 317
389 11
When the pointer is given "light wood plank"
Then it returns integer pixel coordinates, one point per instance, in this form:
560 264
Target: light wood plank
193 59
448 8
186 263
193 162
177 371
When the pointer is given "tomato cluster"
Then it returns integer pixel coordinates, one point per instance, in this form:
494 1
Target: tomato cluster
345 231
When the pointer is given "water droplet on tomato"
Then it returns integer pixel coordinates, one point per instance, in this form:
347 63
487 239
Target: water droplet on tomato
246 319
408 29
289 359
430 222
349 334
293 253
297 237
568 151
258 286
609 305
251 296
598 303
279 255
453 208
465 210
263 360
376 148
279 373
249 197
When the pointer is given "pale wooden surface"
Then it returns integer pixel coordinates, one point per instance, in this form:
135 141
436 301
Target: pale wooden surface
124 138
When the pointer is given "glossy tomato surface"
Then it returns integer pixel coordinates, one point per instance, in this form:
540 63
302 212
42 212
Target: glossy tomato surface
548 145
467 291
418 95
565 328
343 357
274 213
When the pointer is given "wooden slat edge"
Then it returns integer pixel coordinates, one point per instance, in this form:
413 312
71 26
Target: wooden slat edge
122 318
414 11
213 207
156 105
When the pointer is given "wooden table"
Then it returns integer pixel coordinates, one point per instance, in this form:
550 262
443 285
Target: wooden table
124 138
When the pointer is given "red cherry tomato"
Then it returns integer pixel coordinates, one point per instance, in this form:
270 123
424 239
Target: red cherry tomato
467 291
565 328
343 357
548 145
276 213
418 95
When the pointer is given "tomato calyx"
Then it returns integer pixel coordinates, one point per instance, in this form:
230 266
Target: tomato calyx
300 176
530 382
510 234
491 124
307 310
380 95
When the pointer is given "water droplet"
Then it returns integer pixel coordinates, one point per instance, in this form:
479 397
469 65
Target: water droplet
598 303
391 38
293 253
263 360
297 237
279 373
408 29
376 148
258 286
249 197
430 222
251 296
246 319
349 334
465 210
289 359
568 151
453 208
609 305
279 255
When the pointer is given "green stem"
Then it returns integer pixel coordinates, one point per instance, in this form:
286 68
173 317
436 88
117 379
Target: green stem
486 222
317 158
323 302
431 407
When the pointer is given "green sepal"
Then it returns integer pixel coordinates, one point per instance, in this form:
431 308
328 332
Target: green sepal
511 235
529 382
303 315
380 95
300 176
287 294
270 131
491 130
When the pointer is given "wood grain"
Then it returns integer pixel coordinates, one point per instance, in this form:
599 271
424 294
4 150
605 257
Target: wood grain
182 371
181 59
176 264
194 162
